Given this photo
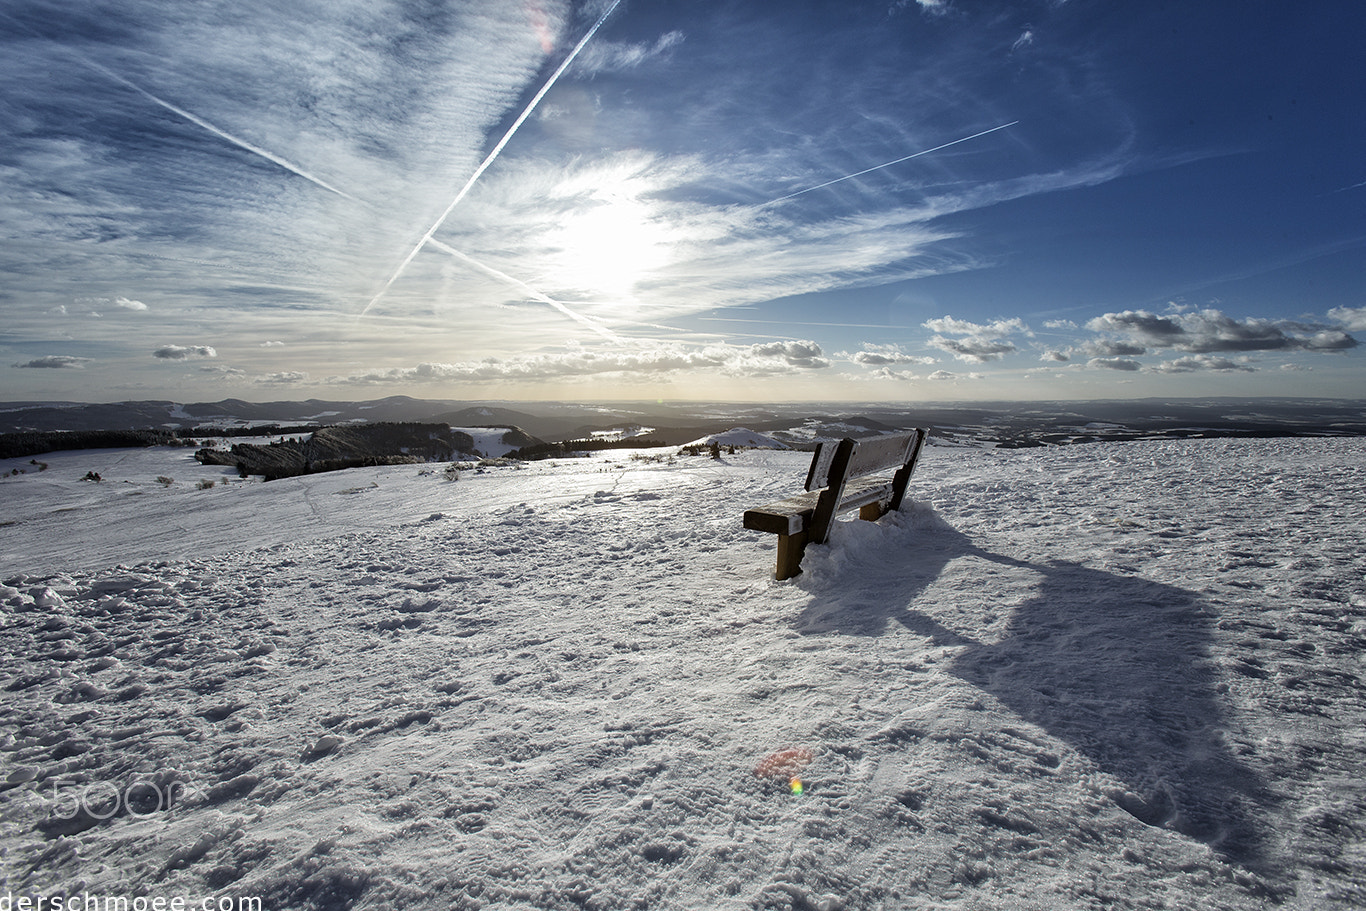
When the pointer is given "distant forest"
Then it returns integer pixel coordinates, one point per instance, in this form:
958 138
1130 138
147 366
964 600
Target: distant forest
31 443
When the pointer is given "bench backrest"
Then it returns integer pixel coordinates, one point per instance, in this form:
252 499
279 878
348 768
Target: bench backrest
869 456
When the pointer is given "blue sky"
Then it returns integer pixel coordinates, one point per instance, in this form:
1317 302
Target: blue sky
901 200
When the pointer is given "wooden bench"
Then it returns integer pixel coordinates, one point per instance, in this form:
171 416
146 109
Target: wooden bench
839 480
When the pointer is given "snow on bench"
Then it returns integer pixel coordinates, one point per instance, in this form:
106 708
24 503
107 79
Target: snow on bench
840 479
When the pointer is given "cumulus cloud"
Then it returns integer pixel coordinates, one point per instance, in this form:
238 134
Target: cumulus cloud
1352 318
124 303
1202 362
1211 331
1000 328
182 352
1107 348
767 359
974 350
802 354
1115 363
981 342
283 378
886 356
1059 324
886 373
57 362
272 344
1055 356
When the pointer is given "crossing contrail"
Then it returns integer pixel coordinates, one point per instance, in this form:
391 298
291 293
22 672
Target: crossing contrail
488 160
886 165
530 291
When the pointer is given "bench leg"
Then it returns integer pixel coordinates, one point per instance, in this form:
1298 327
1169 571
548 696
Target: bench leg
790 551
870 511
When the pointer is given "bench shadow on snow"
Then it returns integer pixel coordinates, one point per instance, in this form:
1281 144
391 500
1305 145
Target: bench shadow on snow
1116 666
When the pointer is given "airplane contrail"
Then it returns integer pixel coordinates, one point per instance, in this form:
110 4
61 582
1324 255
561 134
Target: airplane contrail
530 291
224 134
488 160
197 121
886 165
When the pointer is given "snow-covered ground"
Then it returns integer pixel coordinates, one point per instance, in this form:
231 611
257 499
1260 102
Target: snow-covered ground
1120 675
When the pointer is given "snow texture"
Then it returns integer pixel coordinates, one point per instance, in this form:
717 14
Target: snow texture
1123 675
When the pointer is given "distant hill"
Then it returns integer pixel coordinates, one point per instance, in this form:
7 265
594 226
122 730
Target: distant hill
1004 424
739 436
336 448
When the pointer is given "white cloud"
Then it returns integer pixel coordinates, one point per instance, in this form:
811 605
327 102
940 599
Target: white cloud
1115 363
886 355
272 344
1352 318
1000 328
121 303
981 342
974 350
944 376
933 7
57 362
886 373
283 378
181 353
1056 356
1200 362
1059 324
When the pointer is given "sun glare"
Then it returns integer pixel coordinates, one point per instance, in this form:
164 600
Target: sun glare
608 247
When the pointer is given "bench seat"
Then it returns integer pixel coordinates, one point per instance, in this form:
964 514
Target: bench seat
793 515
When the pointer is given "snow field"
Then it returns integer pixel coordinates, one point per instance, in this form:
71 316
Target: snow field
1117 675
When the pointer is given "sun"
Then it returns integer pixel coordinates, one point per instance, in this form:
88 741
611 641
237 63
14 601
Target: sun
608 246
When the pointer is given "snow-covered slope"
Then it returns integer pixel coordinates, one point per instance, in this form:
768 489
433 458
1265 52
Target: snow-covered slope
740 436
1118 675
